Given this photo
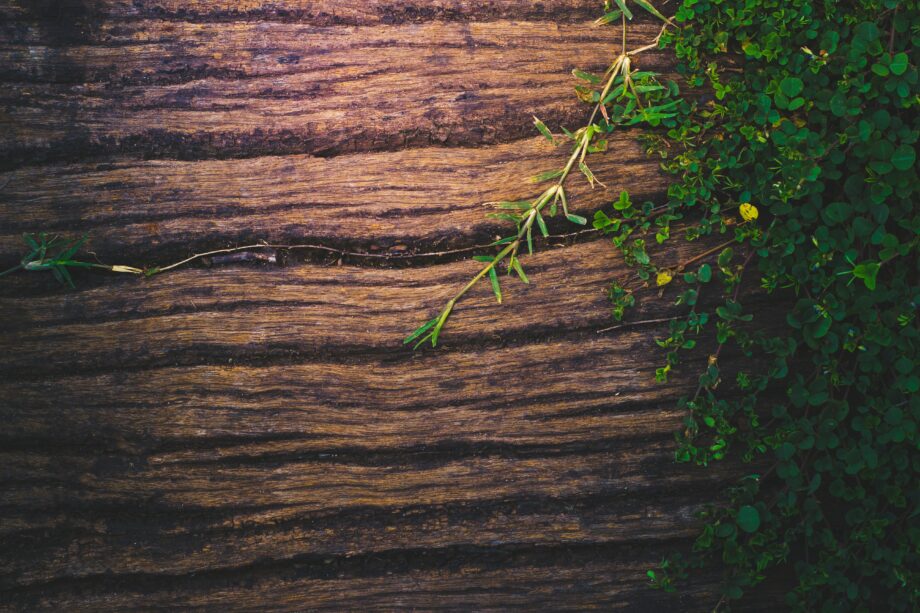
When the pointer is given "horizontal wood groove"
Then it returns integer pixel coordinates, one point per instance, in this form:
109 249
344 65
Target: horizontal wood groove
316 12
398 203
251 89
346 308
256 436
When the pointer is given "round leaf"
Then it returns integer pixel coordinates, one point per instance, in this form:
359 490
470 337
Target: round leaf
748 518
898 64
903 157
791 86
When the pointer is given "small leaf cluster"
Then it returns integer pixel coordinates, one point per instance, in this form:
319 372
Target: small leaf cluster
799 145
622 97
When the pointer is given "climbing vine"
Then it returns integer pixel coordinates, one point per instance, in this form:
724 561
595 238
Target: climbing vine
795 139
797 142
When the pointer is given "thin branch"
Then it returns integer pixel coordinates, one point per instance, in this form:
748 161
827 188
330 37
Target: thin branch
643 322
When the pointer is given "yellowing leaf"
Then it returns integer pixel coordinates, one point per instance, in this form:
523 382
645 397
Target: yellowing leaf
664 277
748 211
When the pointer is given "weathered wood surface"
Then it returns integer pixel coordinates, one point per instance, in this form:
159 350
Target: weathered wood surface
256 437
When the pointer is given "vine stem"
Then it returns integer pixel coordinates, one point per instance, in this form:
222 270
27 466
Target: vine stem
638 323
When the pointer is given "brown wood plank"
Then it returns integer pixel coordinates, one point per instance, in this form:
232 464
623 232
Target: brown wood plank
172 89
309 310
233 514
559 579
399 202
256 437
317 12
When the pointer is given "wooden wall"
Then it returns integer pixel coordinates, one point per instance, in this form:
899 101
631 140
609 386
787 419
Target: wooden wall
255 436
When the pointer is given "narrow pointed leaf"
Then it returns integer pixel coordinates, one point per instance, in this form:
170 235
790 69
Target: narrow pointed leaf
530 240
542 224
546 176
651 9
626 11
608 18
421 330
493 277
587 172
440 323
576 219
69 253
544 130
520 271
66 275
30 241
586 76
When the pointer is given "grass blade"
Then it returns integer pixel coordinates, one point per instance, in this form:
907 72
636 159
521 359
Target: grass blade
520 271
544 130
651 9
420 331
542 224
493 277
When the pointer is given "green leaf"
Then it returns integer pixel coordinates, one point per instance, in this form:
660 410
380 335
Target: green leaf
493 277
899 64
626 11
725 258
546 176
30 241
503 241
791 86
65 274
705 273
576 219
443 318
585 76
530 240
587 172
651 9
519 270
867 272
542 225
608 18
483 258
420 330
748 519
544 130
904 157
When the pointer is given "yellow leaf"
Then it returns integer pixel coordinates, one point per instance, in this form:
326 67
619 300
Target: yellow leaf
748 211
664 277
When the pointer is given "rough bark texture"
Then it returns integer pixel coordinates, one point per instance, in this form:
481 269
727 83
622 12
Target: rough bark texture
255 437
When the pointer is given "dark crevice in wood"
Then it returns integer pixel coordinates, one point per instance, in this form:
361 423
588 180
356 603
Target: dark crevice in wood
376 564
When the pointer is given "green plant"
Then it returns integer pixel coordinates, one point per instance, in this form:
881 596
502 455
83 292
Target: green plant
622 96
56 254
802 149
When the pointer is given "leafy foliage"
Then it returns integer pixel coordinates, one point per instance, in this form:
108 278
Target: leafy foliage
619 101
801 148
56 254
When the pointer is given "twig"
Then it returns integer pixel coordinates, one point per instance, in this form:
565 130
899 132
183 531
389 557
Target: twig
644 322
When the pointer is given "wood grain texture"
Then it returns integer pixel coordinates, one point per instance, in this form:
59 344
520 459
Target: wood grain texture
191 90
429 199
256 437
249 313
317 12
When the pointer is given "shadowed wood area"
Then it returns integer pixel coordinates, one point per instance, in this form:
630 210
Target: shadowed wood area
255 436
